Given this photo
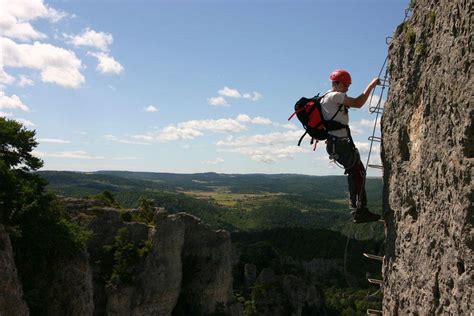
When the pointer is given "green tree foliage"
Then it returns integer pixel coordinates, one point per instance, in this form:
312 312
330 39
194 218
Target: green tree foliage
45 235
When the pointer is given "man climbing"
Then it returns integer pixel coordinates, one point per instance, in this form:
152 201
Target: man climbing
340 145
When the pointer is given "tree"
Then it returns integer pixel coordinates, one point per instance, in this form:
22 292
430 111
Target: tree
18 184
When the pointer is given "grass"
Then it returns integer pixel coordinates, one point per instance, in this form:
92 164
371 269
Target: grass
244 200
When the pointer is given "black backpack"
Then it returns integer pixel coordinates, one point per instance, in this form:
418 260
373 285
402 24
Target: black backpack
309 114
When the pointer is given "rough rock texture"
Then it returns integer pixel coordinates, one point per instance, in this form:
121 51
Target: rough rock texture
285 295
188 270
427 152
72 291
158 286
11 292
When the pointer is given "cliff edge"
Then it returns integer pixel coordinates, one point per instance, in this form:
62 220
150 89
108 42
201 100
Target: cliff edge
427 153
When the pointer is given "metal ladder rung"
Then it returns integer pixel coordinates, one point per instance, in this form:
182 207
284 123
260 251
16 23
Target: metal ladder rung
376 110
376 167
375 138
388 39
374 312
375 257
375 281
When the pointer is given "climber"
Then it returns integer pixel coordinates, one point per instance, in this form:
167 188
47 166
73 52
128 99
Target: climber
340 145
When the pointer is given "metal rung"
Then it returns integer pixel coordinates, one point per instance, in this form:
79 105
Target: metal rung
388 39
370 256
376 166
375 138
374 312
375 281
375 297
375 109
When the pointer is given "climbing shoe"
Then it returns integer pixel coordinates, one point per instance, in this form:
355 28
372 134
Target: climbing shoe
363 215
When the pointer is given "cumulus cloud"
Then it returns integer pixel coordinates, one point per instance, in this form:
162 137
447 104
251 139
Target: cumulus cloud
192 129
4 114
214 162
25 81
151 108
217 101
254 96
57 65
269 154
260 139
25 122
91 38
256 120
53 141
229 92
363 127
76 154
107 64
16 16
232 93
13 102
4 77
123 140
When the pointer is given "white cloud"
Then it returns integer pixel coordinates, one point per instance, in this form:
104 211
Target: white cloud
254 96
269 154
244 118
363 127
4 114
123 141
217 101
151 108
91 38
56 64
16 16
228 92
25 81
77 154
4 77
192 129
214 162
287 126
107 64
53 141
261 139
12 102
25 122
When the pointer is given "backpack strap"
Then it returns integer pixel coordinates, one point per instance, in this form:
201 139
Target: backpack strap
301 139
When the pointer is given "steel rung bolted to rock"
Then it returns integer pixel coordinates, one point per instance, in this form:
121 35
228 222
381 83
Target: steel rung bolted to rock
375 281
375 138
376 166
375 257
374 312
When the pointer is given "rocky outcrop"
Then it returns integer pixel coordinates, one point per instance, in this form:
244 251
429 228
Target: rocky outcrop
285 295
188 270
427 153
71 291
11 292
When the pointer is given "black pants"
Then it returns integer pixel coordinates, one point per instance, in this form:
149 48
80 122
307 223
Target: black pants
345 153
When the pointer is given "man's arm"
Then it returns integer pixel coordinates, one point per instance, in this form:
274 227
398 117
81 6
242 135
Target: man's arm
361 99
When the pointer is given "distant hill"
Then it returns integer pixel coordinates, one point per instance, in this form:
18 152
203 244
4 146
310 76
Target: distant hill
236 202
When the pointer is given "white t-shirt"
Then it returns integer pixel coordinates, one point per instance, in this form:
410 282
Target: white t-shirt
330 103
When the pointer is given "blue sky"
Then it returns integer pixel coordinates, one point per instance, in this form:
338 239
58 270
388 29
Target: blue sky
185 86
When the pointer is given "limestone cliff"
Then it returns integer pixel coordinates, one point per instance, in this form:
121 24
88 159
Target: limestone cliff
427 153
11 292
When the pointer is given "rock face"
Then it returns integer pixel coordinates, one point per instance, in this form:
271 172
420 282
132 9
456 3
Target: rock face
11 292
285 295
427 153
71 292
188 271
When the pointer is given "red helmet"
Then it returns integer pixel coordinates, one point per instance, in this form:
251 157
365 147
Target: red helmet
341 75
